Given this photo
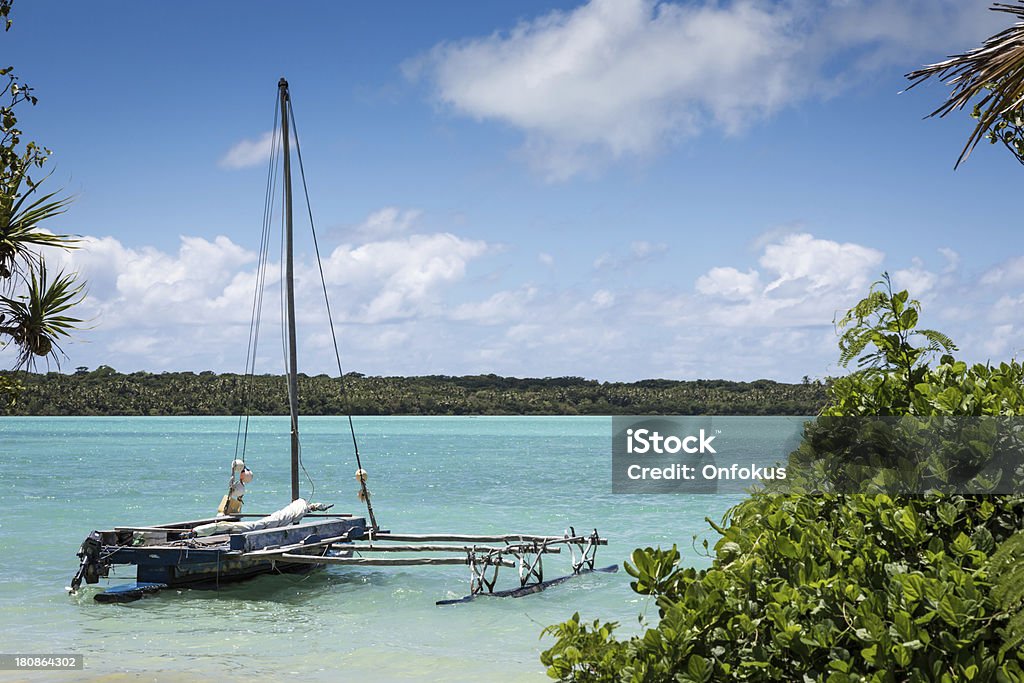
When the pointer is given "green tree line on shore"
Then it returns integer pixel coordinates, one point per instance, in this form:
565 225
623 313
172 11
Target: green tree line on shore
104 391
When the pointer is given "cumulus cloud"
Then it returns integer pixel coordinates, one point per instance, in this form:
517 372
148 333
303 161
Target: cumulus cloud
201 282
617 78
409 304
916 279
820 264
248 153
800 279
191 307
772 320
387 222
399 277
499 308
1009 272
729 283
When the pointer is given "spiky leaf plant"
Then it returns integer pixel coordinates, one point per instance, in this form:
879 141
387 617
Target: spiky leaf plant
37 319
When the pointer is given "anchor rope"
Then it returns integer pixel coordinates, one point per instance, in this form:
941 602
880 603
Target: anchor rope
330 319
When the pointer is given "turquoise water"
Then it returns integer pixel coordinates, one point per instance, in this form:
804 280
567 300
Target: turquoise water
62 477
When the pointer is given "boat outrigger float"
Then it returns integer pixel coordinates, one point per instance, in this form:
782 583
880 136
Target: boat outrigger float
303 536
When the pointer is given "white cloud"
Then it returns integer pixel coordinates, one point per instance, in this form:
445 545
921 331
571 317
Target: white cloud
499 308
639 251
412 304
1008 307
602 298
131 287
387 222
1008 272
820 264
248 153
800 280
916 279
642 249
399 277
1002 341
729 283
952 259
191 307
617 78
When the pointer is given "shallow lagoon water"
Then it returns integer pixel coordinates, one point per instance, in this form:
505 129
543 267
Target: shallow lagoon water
62 477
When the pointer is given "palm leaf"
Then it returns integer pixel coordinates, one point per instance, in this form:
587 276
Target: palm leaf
36 320
21 215
995 71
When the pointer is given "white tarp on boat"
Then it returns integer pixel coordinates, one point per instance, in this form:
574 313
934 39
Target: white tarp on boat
289 514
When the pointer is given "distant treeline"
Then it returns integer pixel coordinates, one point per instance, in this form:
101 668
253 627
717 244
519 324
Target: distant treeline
104 391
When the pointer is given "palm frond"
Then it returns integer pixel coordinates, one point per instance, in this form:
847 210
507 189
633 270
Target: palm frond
21 215
994 71
37 319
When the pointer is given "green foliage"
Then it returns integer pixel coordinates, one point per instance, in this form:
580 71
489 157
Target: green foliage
1007 571
817 588
10 388
1007 128
589 646
32 308
105 391
36 319
903 426
879 332
22 214
841 588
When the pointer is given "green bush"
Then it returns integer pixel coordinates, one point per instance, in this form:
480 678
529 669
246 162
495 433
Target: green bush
829 587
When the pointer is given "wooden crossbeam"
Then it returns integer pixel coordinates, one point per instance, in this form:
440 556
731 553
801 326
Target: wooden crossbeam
308 514
470 538
427 548
383 561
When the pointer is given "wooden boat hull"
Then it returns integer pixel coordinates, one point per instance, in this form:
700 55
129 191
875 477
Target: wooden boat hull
167 557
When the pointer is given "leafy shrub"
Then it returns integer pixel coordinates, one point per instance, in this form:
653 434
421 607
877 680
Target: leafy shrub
837 588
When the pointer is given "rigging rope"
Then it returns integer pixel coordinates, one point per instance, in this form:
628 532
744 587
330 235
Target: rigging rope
330 319
242 437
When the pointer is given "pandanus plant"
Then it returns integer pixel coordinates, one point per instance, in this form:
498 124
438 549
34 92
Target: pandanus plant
32 305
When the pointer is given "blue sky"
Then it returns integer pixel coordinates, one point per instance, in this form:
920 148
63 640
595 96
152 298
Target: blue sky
617 190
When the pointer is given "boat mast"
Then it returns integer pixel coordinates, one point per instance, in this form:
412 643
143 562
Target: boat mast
293 382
